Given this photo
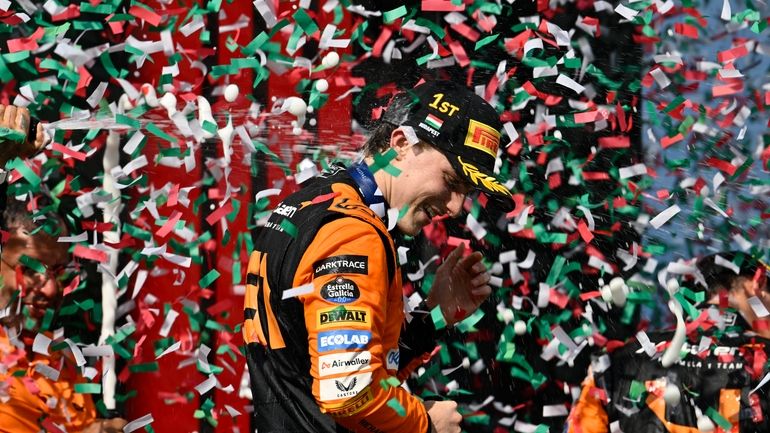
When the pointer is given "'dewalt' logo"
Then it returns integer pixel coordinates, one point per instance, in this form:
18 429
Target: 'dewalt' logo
343 316
483 137
340 291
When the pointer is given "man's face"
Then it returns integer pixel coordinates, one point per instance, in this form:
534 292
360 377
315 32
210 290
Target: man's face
39 291
427 185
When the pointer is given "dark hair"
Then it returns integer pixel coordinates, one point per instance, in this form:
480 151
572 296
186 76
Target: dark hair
718 276
15 216
379 140
396 114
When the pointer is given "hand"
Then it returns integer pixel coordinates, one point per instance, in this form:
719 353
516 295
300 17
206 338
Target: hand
460 286
113 425
17 118
444 416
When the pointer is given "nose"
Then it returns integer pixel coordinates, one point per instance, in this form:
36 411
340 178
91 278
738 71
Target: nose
48 288
455 205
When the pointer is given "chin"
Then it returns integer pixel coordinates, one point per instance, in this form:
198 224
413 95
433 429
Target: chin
409 229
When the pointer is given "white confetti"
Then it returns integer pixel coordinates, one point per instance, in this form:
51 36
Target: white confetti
569 83
626 12
41 343
660 78
721 261
138 423
726 11
298 291
631 171
664 216
171 349
168 323
759 308
207 385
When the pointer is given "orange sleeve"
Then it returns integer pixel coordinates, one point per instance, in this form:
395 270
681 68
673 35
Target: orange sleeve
353 318
28 398
588 414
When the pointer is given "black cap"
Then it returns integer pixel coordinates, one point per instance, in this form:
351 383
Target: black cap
717 275
460 124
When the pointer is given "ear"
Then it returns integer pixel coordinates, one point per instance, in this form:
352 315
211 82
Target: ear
399 142
750 286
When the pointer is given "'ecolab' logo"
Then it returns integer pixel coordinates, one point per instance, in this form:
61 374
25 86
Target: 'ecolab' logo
343 339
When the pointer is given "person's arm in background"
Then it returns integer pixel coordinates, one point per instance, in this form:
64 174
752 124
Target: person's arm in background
588 415
15 122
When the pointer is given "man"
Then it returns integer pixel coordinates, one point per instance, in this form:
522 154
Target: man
324 309
717 382
37 390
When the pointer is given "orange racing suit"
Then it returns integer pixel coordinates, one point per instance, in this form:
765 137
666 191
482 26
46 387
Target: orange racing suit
31 398
327 340
720 375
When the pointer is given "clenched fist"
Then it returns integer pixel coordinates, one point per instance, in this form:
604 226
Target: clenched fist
17 119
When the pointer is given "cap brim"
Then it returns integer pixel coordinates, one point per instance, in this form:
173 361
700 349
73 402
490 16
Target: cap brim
483 180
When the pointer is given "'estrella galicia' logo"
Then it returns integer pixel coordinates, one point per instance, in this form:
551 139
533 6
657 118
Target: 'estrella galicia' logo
340 290
345 264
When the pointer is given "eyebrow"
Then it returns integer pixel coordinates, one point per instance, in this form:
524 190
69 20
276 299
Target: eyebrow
458 181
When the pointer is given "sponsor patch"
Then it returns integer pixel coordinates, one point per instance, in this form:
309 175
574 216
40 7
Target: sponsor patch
430 130
433 121
344 387
285 210
344 316
343 339
346 264
483 137
340 291
354 405
391 361
347 362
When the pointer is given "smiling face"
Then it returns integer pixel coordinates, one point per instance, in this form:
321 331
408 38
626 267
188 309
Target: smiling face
38 291
427 185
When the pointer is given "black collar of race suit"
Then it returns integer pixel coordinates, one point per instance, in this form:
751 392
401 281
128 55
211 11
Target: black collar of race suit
367 186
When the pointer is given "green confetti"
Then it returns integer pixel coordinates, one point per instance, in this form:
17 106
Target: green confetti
289 227
159 133
33 264
467 324
128 121
88 388
26 172
389 382
395 405
720 420
382 162
438 318
305 22
208 278
392 15
146 367
12 135
486 41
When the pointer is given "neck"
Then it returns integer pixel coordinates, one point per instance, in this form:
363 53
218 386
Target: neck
748 315
382 179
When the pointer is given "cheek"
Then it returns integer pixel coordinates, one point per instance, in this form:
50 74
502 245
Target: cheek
6 287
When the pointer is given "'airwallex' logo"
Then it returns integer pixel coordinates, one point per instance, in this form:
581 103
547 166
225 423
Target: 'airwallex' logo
345 264
340 290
